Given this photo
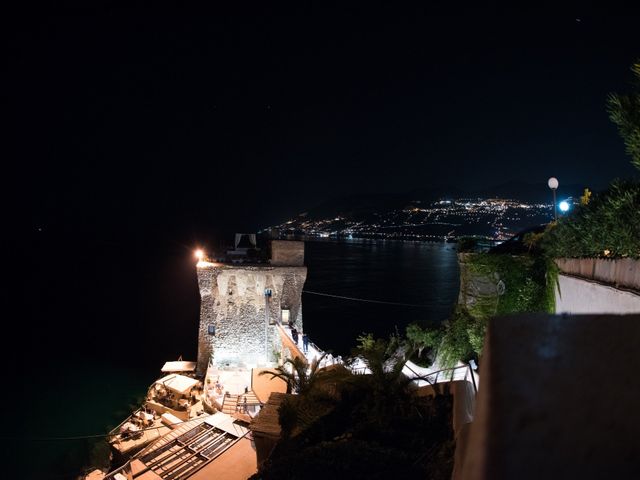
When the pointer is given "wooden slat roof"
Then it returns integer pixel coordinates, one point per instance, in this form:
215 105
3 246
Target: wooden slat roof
267 421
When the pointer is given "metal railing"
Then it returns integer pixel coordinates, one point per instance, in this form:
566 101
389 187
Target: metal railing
447 375
460 372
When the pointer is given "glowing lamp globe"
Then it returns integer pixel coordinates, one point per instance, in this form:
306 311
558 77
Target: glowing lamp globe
199 254
553 183
564 206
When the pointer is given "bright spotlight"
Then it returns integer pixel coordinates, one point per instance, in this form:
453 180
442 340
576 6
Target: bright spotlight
199 254
564 206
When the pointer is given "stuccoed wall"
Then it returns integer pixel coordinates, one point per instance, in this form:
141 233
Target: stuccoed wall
233 300
577 295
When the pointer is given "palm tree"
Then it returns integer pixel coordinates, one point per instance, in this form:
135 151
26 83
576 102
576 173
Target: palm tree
299 376
390 391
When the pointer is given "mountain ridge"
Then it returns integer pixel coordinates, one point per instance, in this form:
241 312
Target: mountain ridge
357 206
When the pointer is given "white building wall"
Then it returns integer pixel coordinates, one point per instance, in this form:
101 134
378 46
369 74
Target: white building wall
584 296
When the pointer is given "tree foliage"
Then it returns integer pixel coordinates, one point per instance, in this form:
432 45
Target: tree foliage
525 278
298 375
624 111
375 426
462 338
527 285
423 342
387 387
609 226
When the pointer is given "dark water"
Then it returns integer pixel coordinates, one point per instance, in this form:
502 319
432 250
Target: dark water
104 322
404 272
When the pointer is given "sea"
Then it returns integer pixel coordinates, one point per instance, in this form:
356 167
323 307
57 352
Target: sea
103 322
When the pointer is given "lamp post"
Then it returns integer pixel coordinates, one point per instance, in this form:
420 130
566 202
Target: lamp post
553 185
267 296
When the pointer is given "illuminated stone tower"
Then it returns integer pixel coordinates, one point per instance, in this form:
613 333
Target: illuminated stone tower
241 305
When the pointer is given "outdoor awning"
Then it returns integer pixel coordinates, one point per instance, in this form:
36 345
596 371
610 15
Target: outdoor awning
179 366
178 383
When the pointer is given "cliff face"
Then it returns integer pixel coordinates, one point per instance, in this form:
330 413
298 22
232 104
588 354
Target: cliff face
477 289
237 317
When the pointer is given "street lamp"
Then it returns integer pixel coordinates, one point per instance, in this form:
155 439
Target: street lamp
553 185
564 206
267 295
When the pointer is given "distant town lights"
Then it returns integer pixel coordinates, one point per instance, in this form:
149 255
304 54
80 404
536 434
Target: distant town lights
564 206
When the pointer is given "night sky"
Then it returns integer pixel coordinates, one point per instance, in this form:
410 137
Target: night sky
236 121
140 137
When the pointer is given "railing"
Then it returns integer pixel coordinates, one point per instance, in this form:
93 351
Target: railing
123 469
326 361
460 372
447 375
316 347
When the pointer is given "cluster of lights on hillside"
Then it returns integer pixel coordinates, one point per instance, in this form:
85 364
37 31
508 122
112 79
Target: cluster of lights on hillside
491 218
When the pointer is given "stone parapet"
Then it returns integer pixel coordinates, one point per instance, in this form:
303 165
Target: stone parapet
287 252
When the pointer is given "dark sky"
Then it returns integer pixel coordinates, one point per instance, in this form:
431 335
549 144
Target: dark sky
141 136
239 120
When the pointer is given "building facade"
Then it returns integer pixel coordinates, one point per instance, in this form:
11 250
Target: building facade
241 305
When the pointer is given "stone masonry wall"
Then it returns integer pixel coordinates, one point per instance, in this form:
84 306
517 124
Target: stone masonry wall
233 301
287 252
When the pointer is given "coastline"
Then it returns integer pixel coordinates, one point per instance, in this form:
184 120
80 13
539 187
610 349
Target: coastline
416 272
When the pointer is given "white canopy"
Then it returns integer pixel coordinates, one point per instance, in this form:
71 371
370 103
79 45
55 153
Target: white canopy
177 383
179 366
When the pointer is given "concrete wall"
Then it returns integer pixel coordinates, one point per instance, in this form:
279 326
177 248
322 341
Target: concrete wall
577 295
557 399
620 272
287 252
233 301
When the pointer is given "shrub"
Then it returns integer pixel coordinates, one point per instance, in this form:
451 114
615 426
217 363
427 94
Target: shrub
457 344
609 226
422 343
527 285
525 278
